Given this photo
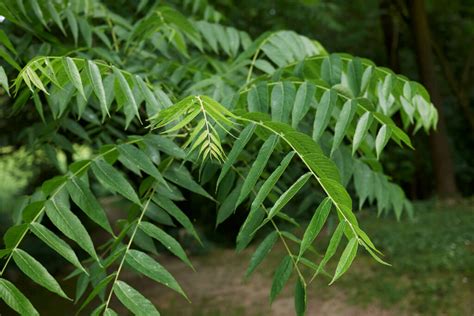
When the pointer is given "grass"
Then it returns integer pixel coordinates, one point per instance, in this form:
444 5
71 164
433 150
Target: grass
432 259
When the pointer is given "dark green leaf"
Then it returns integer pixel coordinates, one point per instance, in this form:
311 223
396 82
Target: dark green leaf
36 272
282 274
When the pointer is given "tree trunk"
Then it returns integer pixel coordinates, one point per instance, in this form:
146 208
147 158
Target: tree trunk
440 149
391 34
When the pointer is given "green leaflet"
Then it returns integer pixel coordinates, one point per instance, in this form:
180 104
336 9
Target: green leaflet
281 276
98 288
344 120
362 128
261 252
165 145
258 98
96 80
323 113
315 225
300 298
346 259
175 212
4 80
15 299
257 168
69 225
168 241
83 197
73 74
57 244
247 230
36 272
288 194
382 139
333 244
152 105
237 148
331 69
283 96
271 181
354 76
227 207
129 104
303 99
133 300
110 312
146 265
55 16
114 180
14 234
138 158
71 20
363 182
182 177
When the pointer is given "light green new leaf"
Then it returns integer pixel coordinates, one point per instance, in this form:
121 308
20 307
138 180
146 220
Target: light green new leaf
344 120
15 299
257 167
133 300
73 74
237 148
70 225
138 158
168 241
315 225
303 99
83 197
300 298
149 267
288 194
261 252
282 274
346 259
362 128
114 180
57 244
37 272
96 80
323 113
382 139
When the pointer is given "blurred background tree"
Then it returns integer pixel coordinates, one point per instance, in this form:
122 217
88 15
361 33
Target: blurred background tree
430 40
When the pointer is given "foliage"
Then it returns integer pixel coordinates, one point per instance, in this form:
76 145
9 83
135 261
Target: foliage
169 103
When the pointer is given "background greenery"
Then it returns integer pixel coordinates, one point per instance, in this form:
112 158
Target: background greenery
433 250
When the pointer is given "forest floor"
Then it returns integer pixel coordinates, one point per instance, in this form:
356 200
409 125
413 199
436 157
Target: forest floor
432 257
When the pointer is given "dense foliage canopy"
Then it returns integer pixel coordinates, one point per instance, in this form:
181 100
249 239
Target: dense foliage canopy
150 101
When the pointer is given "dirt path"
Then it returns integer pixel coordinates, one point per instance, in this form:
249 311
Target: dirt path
218 288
